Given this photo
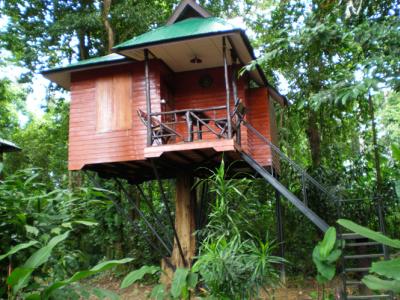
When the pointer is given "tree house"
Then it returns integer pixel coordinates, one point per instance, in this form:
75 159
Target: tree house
170 97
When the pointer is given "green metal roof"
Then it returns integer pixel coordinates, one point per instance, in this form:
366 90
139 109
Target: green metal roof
113 57
187 28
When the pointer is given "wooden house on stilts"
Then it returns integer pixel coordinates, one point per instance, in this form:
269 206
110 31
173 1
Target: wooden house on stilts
170 101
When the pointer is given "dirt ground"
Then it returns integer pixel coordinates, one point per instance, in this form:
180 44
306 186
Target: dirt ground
141 291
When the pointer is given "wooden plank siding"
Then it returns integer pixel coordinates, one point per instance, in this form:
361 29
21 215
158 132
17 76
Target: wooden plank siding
93 143
259 115
86 144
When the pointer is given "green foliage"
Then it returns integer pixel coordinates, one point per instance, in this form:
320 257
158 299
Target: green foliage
136 275
387 276
378 284
325 256
235 259
389 268
179 282
101 267
20 277
158 292
17 248
368 233
235 269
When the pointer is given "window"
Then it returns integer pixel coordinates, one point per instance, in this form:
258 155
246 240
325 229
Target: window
113 102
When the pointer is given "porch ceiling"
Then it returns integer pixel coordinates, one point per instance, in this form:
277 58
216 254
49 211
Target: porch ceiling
177 54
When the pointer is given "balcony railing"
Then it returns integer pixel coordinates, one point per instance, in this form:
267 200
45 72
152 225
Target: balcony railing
188 125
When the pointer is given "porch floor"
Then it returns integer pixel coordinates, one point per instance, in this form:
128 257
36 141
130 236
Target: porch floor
196 157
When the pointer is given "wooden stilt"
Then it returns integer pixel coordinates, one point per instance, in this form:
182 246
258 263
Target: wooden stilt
279 230
185 222
1 161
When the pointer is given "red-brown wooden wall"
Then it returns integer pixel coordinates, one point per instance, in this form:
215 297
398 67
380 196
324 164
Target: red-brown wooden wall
87 146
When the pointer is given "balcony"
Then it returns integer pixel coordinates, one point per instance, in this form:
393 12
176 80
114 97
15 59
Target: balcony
193 130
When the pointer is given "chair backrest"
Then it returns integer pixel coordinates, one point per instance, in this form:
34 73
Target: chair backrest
240 110
143 116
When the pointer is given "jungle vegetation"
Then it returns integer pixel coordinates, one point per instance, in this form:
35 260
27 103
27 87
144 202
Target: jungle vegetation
338 62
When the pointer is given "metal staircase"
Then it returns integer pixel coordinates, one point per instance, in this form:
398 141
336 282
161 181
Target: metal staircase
353 269
357 248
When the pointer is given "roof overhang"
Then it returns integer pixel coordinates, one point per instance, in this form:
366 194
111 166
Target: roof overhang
62 75
177 53
7 146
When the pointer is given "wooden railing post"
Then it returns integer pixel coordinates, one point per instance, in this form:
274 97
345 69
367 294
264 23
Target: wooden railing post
228 104
148 100
235 95
189 123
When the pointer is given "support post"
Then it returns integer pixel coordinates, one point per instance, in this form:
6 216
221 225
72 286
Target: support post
279 230
1 161
148 99
235 95
185 220
227 88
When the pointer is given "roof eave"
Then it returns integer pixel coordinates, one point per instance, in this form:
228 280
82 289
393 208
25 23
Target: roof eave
172 40
86 66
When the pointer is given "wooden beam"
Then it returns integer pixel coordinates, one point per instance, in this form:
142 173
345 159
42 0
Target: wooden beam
148 100
227 88
185 219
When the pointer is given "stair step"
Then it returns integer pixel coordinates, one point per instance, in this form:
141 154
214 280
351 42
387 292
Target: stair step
360 256
353 282
383 296
361 244
349 270
352 236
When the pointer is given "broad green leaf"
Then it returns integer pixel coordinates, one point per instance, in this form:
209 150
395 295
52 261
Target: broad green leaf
84 274
1 167
31 229
105 294
136 275
43 254
321 279
86 223
328 242
17 248
192 280
67 225
396 152
179 282
388 268
377 284
33 297
326 270
19 278
333 256
158 292
368 233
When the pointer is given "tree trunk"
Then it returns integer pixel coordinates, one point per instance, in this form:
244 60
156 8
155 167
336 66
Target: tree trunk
83 49
184 220
314 138
74 180
107 24
185 224
377 160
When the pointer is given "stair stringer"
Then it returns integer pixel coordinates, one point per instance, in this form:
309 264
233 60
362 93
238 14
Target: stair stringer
312 216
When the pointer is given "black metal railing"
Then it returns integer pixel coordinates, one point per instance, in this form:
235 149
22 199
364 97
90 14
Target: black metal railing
280 161
306 187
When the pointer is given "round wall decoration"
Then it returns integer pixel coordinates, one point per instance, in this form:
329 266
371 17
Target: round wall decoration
206 81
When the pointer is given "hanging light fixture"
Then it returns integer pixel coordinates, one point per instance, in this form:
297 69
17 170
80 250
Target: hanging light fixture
196 60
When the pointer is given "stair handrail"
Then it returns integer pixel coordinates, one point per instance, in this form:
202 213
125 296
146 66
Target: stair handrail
291 162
